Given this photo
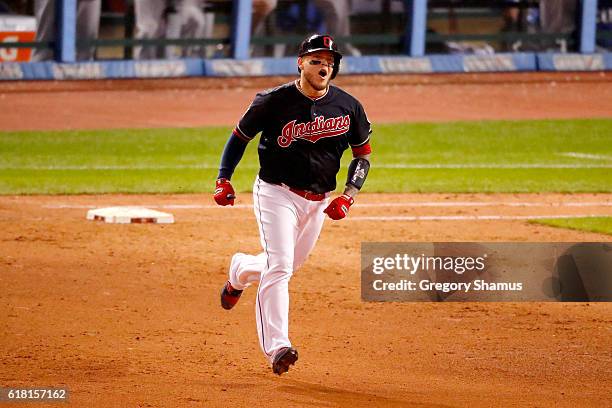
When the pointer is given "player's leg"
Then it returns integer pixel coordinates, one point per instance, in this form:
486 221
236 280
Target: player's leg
87 25
277 217
261 11
149 16
44 10
337 21
193 25
246 269
310 229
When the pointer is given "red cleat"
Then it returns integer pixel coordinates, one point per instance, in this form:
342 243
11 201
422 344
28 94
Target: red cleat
229 296
284 358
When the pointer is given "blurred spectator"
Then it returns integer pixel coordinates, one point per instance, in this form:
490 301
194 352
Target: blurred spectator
295 16
87 25
513 22
22 7
558 17
195 24
188 20
335 14
604 23
4 8
512 17
157 19
261 10
150 22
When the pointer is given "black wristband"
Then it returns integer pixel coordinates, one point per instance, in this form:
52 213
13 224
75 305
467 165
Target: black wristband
357 172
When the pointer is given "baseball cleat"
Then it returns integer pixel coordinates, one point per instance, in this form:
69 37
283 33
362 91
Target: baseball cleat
285 357
229 296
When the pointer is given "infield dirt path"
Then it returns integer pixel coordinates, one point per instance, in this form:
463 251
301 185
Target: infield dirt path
204 102
129 315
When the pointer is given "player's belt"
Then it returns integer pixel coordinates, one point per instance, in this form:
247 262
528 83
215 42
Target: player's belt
309 195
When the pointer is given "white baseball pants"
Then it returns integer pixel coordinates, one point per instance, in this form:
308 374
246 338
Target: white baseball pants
289 226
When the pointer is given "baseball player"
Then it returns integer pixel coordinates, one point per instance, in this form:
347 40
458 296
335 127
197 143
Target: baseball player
150 24
335 12
305 126
87 25
155 19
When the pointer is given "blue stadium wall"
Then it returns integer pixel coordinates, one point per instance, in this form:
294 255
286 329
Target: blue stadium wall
287 66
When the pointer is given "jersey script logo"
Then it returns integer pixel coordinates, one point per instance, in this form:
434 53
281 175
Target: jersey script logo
315 130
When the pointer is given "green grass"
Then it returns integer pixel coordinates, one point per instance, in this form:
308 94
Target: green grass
601 225
186 160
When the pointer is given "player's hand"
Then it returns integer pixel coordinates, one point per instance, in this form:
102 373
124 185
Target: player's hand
224 192
339 207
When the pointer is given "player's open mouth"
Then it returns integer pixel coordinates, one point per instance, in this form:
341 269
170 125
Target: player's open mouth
323 73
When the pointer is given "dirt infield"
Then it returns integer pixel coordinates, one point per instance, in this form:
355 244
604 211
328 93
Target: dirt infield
204 102
129 315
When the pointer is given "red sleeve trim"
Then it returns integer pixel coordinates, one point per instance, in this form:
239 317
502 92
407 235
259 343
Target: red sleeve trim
362 150
240 136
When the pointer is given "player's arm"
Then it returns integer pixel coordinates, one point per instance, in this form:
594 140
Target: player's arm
357 173
249 125
232 154
359 141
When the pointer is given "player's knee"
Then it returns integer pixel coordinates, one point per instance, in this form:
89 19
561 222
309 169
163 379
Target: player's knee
274 278
148 28
280 268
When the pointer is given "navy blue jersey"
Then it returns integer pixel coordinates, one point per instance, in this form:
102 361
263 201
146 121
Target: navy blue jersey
302 139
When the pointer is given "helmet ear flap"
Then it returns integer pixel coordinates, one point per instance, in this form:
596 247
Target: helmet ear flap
336 66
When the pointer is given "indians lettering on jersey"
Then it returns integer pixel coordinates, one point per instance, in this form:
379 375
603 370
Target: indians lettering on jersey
314 130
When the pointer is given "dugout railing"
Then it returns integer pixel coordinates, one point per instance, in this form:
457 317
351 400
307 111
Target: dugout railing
411 40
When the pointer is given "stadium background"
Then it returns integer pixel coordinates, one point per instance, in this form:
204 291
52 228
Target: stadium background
129 315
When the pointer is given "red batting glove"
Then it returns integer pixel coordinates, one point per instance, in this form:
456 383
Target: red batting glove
224 193
339 207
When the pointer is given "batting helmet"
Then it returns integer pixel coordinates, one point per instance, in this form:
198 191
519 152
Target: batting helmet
318 42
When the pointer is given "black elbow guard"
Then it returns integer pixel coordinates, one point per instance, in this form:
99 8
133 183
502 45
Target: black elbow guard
357 172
